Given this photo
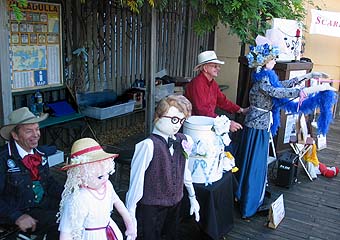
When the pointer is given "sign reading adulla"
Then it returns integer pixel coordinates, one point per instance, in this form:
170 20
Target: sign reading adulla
40 77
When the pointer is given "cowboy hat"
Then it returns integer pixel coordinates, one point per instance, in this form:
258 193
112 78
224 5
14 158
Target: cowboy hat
18 117
85 151
207 57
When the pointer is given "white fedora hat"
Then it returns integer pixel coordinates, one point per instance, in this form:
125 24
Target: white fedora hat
207 57
17 117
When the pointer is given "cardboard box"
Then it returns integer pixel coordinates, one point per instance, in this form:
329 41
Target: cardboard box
56 158
138 97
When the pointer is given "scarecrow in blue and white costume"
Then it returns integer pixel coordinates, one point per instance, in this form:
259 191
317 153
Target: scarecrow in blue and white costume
267 97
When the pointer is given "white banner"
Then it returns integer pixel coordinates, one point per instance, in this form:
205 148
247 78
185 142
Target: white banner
325 23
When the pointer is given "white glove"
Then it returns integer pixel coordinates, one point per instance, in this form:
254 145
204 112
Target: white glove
131 229
313 75
194 207
318 88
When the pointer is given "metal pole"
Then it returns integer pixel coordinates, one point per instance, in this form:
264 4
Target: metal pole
152 64
5 75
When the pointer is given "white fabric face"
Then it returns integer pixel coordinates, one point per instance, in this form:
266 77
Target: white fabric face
97 177
164 124
270 65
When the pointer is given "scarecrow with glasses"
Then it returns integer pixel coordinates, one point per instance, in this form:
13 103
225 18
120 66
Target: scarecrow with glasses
159 170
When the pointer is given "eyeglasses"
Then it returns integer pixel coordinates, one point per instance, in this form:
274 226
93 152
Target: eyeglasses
175 120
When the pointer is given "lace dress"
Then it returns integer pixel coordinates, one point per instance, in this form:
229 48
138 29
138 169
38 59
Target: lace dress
93 213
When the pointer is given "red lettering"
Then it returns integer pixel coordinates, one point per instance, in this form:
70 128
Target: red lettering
318 20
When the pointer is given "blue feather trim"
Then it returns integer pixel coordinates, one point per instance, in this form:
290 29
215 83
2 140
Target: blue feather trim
322 100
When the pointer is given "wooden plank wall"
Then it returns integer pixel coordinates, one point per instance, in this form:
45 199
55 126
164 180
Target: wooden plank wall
117 43
118 46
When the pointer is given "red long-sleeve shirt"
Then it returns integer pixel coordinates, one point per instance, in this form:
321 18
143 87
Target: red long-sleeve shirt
205 96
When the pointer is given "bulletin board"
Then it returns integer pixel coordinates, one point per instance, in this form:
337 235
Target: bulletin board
35 46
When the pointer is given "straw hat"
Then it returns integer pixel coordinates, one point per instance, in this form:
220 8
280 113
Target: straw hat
87 150
18 117
207 57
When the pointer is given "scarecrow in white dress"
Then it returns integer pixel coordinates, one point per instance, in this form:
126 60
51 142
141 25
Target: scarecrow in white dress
89 197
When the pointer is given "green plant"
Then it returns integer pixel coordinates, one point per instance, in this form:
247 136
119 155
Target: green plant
246 18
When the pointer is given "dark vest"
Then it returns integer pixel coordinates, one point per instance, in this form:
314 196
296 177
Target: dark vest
164 178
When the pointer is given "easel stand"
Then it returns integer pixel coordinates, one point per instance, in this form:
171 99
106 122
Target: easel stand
301 150
273 158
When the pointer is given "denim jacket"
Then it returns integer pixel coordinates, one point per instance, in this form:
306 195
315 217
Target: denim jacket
16 194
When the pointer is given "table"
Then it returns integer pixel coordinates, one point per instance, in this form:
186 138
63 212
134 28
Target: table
50 121
64 130
216 206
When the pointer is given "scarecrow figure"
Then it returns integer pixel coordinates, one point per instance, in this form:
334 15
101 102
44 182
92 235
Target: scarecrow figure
159 171
267 96
89 197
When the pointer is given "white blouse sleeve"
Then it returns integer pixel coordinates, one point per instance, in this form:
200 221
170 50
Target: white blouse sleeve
187 173
140 162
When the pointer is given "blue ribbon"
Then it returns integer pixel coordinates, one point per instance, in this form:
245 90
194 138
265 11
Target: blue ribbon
203 164
199 162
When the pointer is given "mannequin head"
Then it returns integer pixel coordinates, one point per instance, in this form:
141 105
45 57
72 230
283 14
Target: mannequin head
171 113
95 175
170 123
92 175
88 166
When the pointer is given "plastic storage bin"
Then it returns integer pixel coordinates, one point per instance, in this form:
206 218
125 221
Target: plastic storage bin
103 105
108 112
